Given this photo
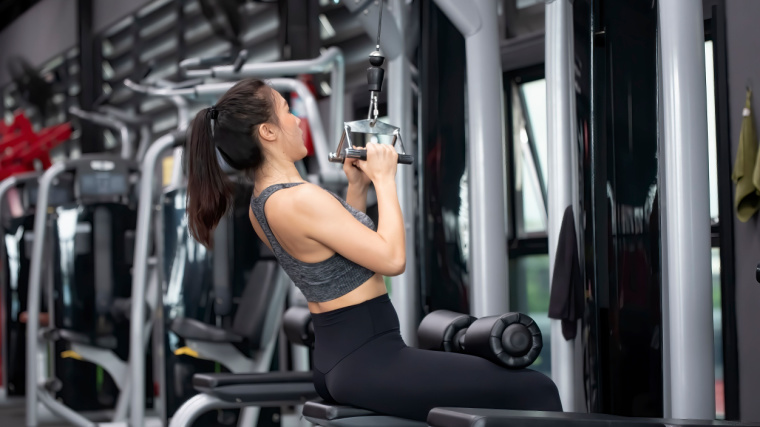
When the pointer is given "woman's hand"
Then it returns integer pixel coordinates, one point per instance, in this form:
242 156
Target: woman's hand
381 163
356 177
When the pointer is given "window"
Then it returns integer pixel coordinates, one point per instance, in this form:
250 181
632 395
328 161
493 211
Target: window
529 260
712 147
529 158
527 201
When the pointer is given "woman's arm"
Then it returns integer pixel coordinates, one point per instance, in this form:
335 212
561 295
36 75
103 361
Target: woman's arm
320 217
356 196
317 215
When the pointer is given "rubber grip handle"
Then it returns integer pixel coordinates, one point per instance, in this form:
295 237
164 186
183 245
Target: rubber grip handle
352 153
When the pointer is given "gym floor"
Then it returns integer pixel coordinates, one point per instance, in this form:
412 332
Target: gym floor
13 414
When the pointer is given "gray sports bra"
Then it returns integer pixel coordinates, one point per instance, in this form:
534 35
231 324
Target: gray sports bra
319 281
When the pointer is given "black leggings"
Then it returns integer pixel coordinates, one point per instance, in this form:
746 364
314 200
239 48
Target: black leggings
361 360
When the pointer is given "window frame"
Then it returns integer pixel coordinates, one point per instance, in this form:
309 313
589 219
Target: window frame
534 243
722 233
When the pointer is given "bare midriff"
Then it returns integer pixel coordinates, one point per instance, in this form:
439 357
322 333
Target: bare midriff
372 288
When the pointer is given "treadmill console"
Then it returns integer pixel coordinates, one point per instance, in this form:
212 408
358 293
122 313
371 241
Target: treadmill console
103 181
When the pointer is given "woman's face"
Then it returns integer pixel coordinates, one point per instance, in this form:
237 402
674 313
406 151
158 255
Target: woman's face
292 135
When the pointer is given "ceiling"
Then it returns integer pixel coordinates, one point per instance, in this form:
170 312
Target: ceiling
12 9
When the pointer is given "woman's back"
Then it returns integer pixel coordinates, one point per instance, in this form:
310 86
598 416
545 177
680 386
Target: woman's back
330 277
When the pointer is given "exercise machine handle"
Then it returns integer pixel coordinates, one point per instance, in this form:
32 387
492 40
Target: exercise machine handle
353 153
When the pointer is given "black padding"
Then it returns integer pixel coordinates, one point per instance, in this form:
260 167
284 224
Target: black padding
107 342
757 274
326 411
192 329
272 394
222 282
498 339
298 327
251 315
517 339
210 381
472 417
102 237
322 414
441 330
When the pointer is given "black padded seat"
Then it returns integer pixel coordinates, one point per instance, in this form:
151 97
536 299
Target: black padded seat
191 329
265 394
475 417
333 415
265 389
107 342
210 381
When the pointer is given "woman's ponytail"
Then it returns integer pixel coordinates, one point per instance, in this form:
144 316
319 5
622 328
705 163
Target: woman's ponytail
209 191
236 119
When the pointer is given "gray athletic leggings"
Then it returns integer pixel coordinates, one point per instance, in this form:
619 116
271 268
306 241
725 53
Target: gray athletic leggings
361 360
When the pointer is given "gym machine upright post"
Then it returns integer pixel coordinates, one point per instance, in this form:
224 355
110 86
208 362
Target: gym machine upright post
96 223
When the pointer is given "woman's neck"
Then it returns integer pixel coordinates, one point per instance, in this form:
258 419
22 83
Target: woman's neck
271 173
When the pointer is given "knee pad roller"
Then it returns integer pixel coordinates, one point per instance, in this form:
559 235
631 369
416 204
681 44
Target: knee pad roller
512 340
298 327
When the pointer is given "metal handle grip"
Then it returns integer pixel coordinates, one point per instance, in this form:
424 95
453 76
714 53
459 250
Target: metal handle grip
352 153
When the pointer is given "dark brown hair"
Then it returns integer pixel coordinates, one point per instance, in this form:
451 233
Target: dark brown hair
231 127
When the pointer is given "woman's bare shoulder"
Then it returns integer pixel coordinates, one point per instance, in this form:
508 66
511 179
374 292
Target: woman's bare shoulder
305 198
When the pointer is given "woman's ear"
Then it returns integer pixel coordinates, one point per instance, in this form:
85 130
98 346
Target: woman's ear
267 132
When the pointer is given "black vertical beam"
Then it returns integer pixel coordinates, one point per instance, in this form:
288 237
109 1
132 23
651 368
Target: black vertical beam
181 27
442 162
89 76
299 29
726 214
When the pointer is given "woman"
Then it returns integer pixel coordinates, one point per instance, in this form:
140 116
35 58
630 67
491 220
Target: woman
337 257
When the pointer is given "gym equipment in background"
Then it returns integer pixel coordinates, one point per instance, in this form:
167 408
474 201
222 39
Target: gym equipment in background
21 146
88 288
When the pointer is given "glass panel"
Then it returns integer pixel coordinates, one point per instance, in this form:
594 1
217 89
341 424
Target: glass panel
529 202
718 335
711 138
530 295
534 217
534 94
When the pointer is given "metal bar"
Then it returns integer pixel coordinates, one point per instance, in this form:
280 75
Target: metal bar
35 284
726 216
197 406
685 223
5 186
140 278
58 408
328 172
111 123
183 121
404 288
331 60
489 278
91 141
559 97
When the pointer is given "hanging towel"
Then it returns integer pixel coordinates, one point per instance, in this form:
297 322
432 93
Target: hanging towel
747 197
756 174
566 298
